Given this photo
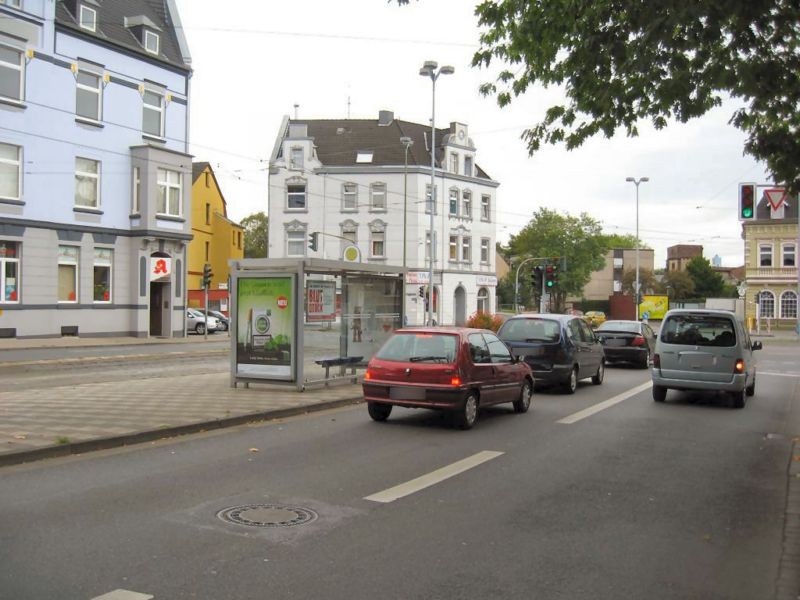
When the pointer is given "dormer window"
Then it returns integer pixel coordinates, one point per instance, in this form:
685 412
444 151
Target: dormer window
151 42
87 18
364 156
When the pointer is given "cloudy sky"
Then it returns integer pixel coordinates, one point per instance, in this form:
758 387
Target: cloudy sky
253 61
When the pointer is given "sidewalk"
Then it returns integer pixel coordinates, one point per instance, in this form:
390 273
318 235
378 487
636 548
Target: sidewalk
58 421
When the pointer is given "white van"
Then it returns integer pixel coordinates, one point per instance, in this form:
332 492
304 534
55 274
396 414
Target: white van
706 350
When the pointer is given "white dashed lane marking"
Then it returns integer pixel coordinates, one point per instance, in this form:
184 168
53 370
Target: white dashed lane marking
588 412
123 595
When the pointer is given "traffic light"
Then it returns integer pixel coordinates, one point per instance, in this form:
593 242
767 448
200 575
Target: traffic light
312 241
554 276
536 280
421 291
747 201
550 276
207 275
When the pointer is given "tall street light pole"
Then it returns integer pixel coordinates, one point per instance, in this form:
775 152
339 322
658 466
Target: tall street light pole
636 182
407 143
431 69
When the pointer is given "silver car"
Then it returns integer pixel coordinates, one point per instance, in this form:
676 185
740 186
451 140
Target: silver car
196 321
706 350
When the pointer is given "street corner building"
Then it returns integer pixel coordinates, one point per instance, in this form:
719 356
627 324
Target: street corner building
363 186
95 175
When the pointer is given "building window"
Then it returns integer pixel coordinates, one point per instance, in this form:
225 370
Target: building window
153 115
468 166
466 249
14 3
483 300
68 273
789 255
789 305
428 202
378 196
454 163
136 186
466 204
453 202
208 250
151 42
87 18
364 156
169 193
87 182
208 214
12 73
89 96
10 172
349 196
349 233
766 305
486 208
296 158
103 262
453 247
9 271
296 243
485 242
377 244
239 240
296 196
765 255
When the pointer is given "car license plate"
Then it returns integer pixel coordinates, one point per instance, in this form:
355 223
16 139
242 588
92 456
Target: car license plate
615 342
406 393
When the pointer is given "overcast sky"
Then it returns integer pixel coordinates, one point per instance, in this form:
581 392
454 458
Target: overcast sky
253 61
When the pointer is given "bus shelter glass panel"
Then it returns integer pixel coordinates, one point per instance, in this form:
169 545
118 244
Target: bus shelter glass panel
371 311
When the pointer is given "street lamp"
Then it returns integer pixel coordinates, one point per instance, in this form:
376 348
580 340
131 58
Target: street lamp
407 143
431 69
636 182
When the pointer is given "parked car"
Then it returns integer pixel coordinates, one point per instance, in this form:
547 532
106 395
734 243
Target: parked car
706 350
223 321
627 341
594 318
560 349
196 321
456 369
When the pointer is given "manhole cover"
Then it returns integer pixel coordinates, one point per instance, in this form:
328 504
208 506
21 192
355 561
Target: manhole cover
267 515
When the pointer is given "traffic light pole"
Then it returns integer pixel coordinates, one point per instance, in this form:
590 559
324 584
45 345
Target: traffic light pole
205 305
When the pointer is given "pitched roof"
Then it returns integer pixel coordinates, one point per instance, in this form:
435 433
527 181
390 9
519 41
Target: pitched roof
112 29
338 142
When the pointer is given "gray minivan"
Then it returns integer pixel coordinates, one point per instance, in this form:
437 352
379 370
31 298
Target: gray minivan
705 350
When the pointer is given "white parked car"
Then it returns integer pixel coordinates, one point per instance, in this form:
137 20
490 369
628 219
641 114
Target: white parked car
196 321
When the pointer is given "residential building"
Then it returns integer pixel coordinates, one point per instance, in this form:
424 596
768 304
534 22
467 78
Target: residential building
608 280
354 182
771 263
216 240
680 255
94 168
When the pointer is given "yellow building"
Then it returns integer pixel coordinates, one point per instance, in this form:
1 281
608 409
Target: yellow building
216 240
771 265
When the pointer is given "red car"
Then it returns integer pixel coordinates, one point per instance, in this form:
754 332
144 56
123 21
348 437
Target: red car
446 368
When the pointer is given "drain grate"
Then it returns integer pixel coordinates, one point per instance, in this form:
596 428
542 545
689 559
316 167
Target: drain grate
267 515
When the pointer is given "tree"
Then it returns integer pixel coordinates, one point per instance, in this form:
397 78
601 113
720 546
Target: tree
707 283
647 281
578 239
626 241
678 285
256 234
622 62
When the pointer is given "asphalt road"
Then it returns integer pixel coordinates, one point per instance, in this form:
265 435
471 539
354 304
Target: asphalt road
680 500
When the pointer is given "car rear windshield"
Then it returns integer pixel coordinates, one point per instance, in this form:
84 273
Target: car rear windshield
530 330
420 347
619 326
698 330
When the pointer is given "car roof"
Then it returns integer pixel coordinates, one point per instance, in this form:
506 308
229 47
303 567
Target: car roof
443 330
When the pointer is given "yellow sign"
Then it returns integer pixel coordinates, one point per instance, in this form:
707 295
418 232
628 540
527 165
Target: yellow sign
653 307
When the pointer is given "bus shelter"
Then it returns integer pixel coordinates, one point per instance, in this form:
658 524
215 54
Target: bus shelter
293 320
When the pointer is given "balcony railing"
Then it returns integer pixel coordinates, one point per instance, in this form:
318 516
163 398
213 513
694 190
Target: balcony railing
789 273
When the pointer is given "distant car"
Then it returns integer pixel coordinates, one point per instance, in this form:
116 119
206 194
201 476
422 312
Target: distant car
594 318
705 350
196 321
627 341
560 349
224 322
456 369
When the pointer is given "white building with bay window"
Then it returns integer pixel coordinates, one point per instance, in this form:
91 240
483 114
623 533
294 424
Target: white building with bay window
359 186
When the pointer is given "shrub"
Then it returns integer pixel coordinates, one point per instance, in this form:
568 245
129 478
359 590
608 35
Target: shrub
484 320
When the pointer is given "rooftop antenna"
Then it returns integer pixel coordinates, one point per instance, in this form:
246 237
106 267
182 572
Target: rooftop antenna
296 106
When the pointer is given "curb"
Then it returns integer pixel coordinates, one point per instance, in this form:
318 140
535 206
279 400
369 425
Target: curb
26 456
107 359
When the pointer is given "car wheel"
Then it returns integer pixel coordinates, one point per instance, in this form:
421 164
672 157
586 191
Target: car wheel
378 411
223 327
738 399
659 393
646 361
597 378
572 382
751 389
522 404
200 328
468 413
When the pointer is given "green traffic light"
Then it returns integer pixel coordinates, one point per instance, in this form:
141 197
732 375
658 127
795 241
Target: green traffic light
549 284
747 212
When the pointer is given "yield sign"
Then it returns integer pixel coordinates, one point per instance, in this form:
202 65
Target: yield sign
776 197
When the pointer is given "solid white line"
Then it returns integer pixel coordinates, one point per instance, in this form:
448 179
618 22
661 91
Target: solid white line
434 477
768 374
588 412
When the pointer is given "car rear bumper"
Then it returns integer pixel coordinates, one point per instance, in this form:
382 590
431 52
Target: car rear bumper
556 375
636 354
736 384
431 396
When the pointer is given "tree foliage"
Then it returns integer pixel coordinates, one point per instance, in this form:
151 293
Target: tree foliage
626 241
256 234
678 285
707 282
648 284
624 62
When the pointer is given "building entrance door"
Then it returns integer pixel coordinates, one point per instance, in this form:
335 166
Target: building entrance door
460 306
157 301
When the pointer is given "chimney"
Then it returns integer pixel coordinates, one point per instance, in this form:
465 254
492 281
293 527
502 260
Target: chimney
385 118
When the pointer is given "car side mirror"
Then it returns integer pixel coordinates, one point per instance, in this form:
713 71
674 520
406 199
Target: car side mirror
757 346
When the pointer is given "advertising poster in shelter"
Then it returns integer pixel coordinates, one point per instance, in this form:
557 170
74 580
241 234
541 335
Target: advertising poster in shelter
320 300
265 316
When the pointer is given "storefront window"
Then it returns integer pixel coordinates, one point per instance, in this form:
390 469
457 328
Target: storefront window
9 271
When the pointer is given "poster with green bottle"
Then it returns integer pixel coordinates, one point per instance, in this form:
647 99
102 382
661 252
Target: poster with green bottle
265 317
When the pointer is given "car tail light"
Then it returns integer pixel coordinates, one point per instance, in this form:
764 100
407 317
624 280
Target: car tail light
739 368
638 341
367 375
455 380
657 361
